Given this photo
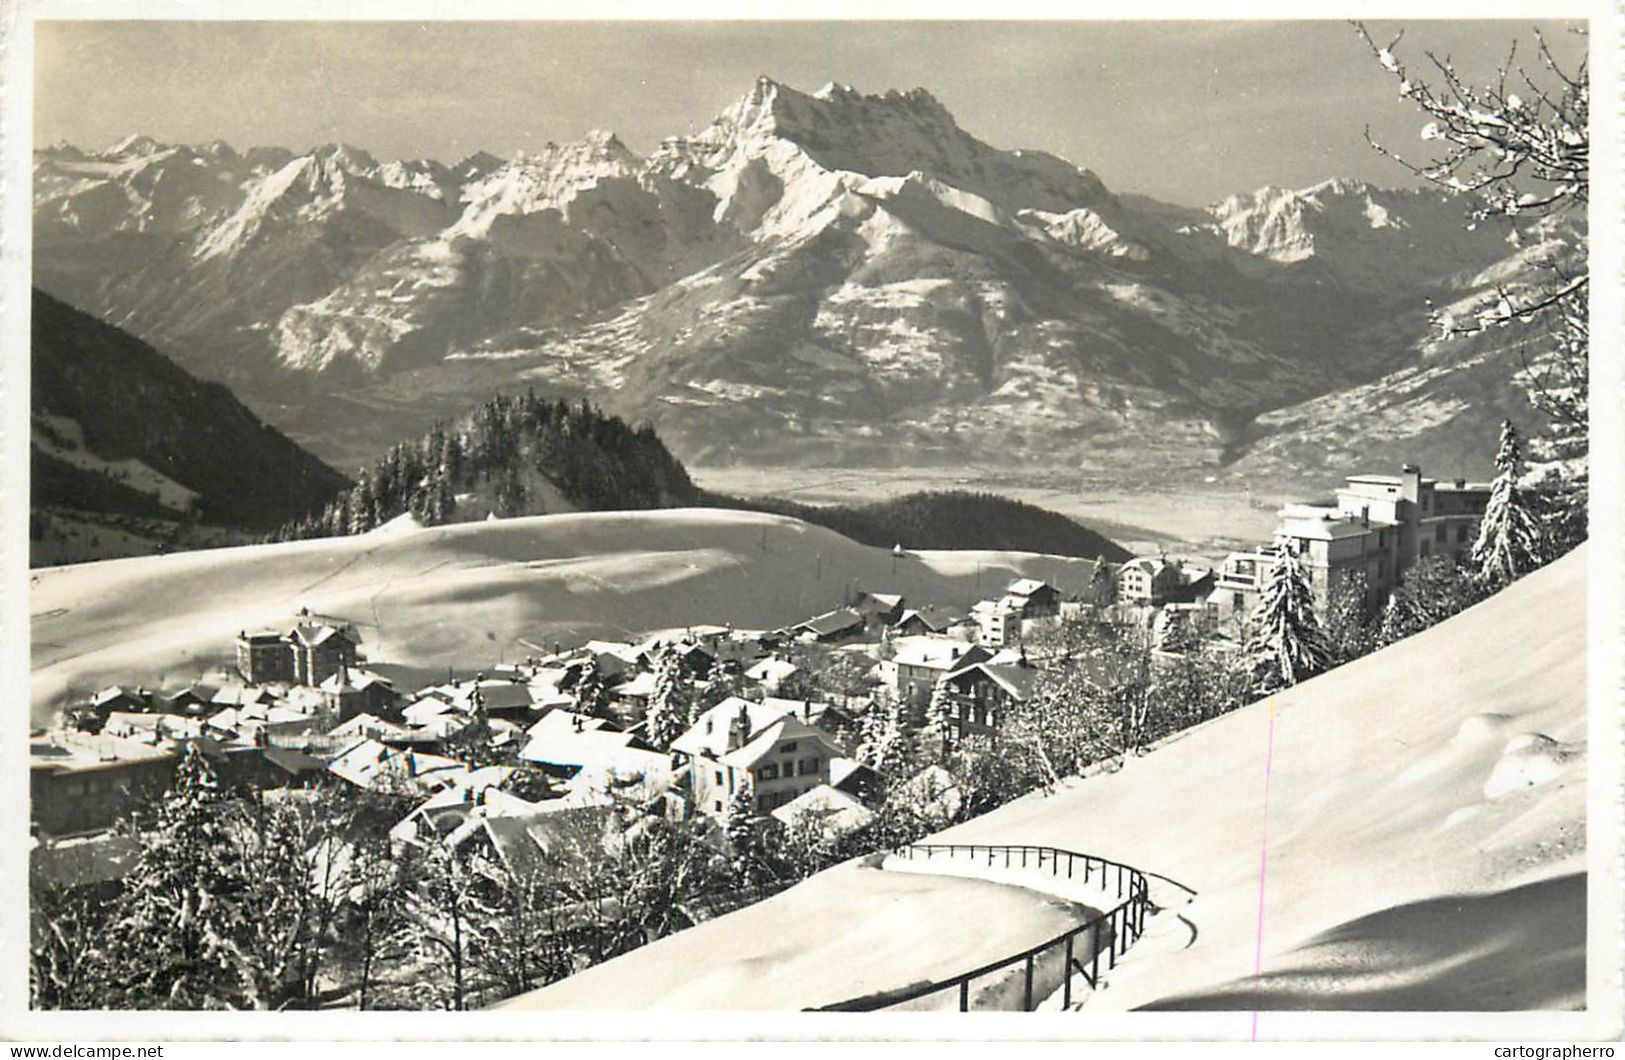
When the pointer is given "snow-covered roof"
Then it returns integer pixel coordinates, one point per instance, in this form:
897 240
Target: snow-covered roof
831 622
708 736
932 617
427 708
1017 681
579 749
366 725
761 744
932 652
315 633
72 750
565 721
826 807
641 686
627 653
772 670
370 764
1025 586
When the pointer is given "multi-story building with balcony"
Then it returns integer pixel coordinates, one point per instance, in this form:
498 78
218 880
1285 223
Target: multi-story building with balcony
1379 526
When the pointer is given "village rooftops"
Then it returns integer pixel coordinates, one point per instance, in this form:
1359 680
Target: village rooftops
762 744
1376 480
599 755
1017 681
641 686
1025 586
565 721
314 633
115 694
370 764
930 617
829 808
358 680
709 735
630 654
935 653
368 726
831 623
72 751
772 671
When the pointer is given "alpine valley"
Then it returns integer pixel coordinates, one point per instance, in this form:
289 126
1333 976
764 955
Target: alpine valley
827 280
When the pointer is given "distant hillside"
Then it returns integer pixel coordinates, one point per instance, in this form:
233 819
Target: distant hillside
120 431
953 519
525 455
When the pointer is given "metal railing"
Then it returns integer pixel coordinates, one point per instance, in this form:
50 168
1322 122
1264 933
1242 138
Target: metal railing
1109 934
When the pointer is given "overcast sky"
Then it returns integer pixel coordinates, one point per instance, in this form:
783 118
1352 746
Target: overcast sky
1183 111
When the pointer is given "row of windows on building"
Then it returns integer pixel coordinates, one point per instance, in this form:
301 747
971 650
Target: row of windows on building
770 800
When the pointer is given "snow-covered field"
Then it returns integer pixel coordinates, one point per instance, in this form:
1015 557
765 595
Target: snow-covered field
474 594
1407 832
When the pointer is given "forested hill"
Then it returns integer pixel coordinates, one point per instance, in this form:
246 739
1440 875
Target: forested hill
511 456
118 428
951 520
528 456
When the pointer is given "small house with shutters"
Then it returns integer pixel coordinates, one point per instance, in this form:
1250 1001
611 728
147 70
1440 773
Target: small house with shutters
920 662
878 609
351 692
1034 598
1149 581
926 620
982 694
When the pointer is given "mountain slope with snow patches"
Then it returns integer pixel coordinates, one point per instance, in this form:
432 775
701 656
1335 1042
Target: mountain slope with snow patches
833 277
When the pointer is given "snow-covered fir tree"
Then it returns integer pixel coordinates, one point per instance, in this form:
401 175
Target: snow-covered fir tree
882 744
179 920
1287 643
669 703
939 717
1508 545
1173 631
739 823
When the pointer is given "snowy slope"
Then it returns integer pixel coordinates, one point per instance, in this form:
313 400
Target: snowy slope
469 595
1425 843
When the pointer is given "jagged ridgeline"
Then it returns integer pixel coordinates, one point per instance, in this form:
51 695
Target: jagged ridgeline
511 456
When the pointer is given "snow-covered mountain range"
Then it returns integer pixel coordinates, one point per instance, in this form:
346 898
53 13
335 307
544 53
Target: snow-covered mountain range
833 278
